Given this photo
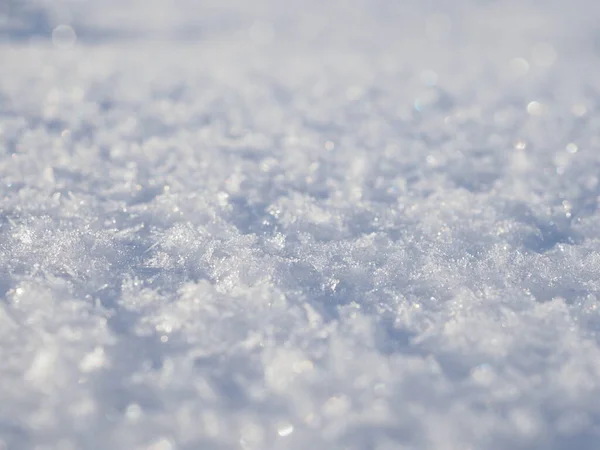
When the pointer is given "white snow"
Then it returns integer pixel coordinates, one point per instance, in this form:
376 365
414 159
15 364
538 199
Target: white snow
367 225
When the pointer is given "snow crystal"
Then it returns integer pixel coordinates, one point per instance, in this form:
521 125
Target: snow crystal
274 225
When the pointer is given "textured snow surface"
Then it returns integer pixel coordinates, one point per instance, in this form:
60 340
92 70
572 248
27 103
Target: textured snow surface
290 225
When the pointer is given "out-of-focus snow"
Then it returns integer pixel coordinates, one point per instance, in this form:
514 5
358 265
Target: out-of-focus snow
289 225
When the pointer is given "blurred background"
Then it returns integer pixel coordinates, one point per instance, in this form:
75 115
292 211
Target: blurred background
495 24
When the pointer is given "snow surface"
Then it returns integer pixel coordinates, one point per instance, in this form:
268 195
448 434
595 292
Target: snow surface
288 225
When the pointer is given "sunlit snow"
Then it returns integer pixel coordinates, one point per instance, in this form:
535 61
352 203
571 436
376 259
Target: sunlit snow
353 225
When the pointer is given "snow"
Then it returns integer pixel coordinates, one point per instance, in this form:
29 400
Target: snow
288 225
